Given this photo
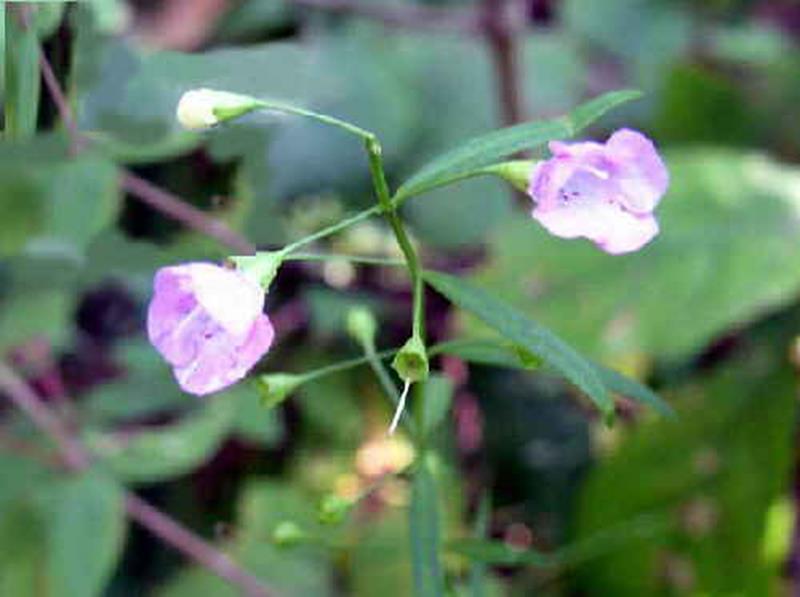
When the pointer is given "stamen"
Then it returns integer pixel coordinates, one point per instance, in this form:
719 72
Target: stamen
400 406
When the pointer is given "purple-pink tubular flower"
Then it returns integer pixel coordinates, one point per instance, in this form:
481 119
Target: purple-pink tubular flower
207 322
603 192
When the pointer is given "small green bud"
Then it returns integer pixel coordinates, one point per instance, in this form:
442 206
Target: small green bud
517 173
333 509
200 109
276 387
411 362
261 267
526 358
288 534
361 325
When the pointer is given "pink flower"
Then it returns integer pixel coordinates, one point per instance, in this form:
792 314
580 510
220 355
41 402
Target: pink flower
207 322
603 192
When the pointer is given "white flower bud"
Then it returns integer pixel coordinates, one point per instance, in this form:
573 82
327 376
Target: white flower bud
203 108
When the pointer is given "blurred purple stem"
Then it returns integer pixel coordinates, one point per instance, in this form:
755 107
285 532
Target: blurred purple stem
76 458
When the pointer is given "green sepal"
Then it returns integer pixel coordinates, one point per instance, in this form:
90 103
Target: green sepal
411 361
261 267
224 113
517 173
276 387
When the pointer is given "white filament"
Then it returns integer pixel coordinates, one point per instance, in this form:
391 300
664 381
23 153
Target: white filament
401 404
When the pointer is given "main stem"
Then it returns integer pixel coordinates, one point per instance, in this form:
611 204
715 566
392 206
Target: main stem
409 252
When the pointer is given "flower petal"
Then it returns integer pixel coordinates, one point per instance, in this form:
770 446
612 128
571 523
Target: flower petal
608 225
548 178
172 303
225 361
642 176
230 298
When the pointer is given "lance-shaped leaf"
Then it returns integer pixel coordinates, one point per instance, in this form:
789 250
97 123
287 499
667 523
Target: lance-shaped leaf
472 158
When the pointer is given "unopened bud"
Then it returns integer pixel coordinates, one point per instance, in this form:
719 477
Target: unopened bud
361 325
200 109
333 509
287 534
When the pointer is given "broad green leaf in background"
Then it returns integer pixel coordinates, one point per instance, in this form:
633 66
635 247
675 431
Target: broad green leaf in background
601 544
425 524
22 543
145 456
51 208
25 316
494 146
528 334
56 208
380 557
728 252
147 389
297 571
59 536
714 475
648 35
21 84
85 522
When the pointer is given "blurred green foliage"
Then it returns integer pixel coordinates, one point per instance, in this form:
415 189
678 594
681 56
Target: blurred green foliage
706 312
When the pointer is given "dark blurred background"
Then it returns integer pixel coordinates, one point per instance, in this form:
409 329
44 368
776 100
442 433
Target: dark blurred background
707 315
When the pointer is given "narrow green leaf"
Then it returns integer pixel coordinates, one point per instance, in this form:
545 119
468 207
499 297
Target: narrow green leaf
424 522
616 382
470 158
477 571
526 333
487 352
438 396
22 85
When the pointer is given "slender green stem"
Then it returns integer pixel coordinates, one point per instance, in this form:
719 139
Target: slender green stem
287 109
345 365
330 230
385 380
390 212
382 355
503 170
360 259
